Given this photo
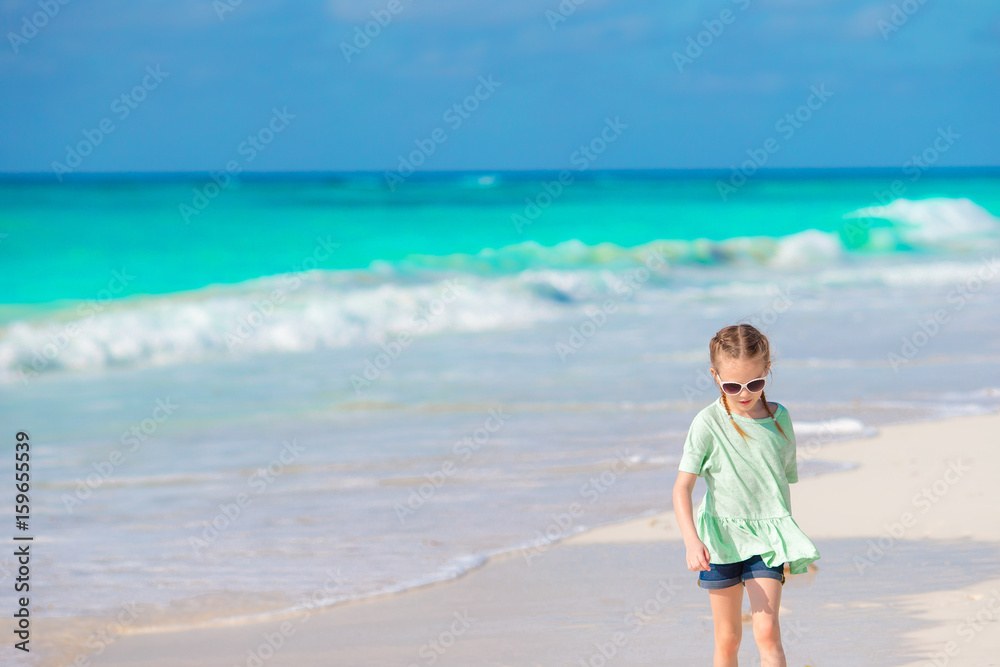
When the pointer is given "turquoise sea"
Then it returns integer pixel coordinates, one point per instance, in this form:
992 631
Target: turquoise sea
310 389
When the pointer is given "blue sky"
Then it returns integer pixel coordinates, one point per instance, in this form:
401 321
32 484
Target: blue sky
895 74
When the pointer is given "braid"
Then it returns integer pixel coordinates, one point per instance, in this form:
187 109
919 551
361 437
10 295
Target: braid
737 426
767 407
763 399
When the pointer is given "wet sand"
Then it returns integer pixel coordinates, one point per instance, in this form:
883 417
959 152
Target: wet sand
909 574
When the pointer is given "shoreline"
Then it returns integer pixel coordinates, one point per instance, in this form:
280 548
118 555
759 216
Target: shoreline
949 499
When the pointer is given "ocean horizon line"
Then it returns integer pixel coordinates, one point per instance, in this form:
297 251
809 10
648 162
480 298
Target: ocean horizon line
305 176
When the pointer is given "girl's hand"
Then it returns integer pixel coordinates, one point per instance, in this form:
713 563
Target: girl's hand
697 556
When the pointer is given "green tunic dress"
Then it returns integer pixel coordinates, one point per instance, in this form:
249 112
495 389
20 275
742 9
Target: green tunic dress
747 510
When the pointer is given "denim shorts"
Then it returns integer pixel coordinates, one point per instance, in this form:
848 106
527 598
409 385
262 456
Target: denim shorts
731 574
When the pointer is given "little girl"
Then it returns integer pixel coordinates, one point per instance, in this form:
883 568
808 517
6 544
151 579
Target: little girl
743 533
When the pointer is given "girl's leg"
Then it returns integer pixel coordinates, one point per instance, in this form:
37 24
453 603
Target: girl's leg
727 613
765 599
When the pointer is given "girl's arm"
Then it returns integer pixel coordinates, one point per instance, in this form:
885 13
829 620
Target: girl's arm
697 553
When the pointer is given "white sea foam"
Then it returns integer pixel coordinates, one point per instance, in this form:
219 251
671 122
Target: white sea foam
833 429
510 287
808 248
248 319
937 220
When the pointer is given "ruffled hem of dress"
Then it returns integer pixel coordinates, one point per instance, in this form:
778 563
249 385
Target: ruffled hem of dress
776 540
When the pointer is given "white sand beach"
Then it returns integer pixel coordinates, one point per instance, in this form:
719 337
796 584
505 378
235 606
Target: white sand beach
909 574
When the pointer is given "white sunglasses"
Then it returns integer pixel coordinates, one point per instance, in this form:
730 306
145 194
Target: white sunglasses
753 386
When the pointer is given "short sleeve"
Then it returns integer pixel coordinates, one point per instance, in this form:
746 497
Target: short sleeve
696 449
791 462
792 467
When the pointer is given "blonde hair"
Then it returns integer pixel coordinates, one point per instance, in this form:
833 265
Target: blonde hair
742 342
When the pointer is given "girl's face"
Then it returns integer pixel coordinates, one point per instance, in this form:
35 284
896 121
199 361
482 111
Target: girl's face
742 371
